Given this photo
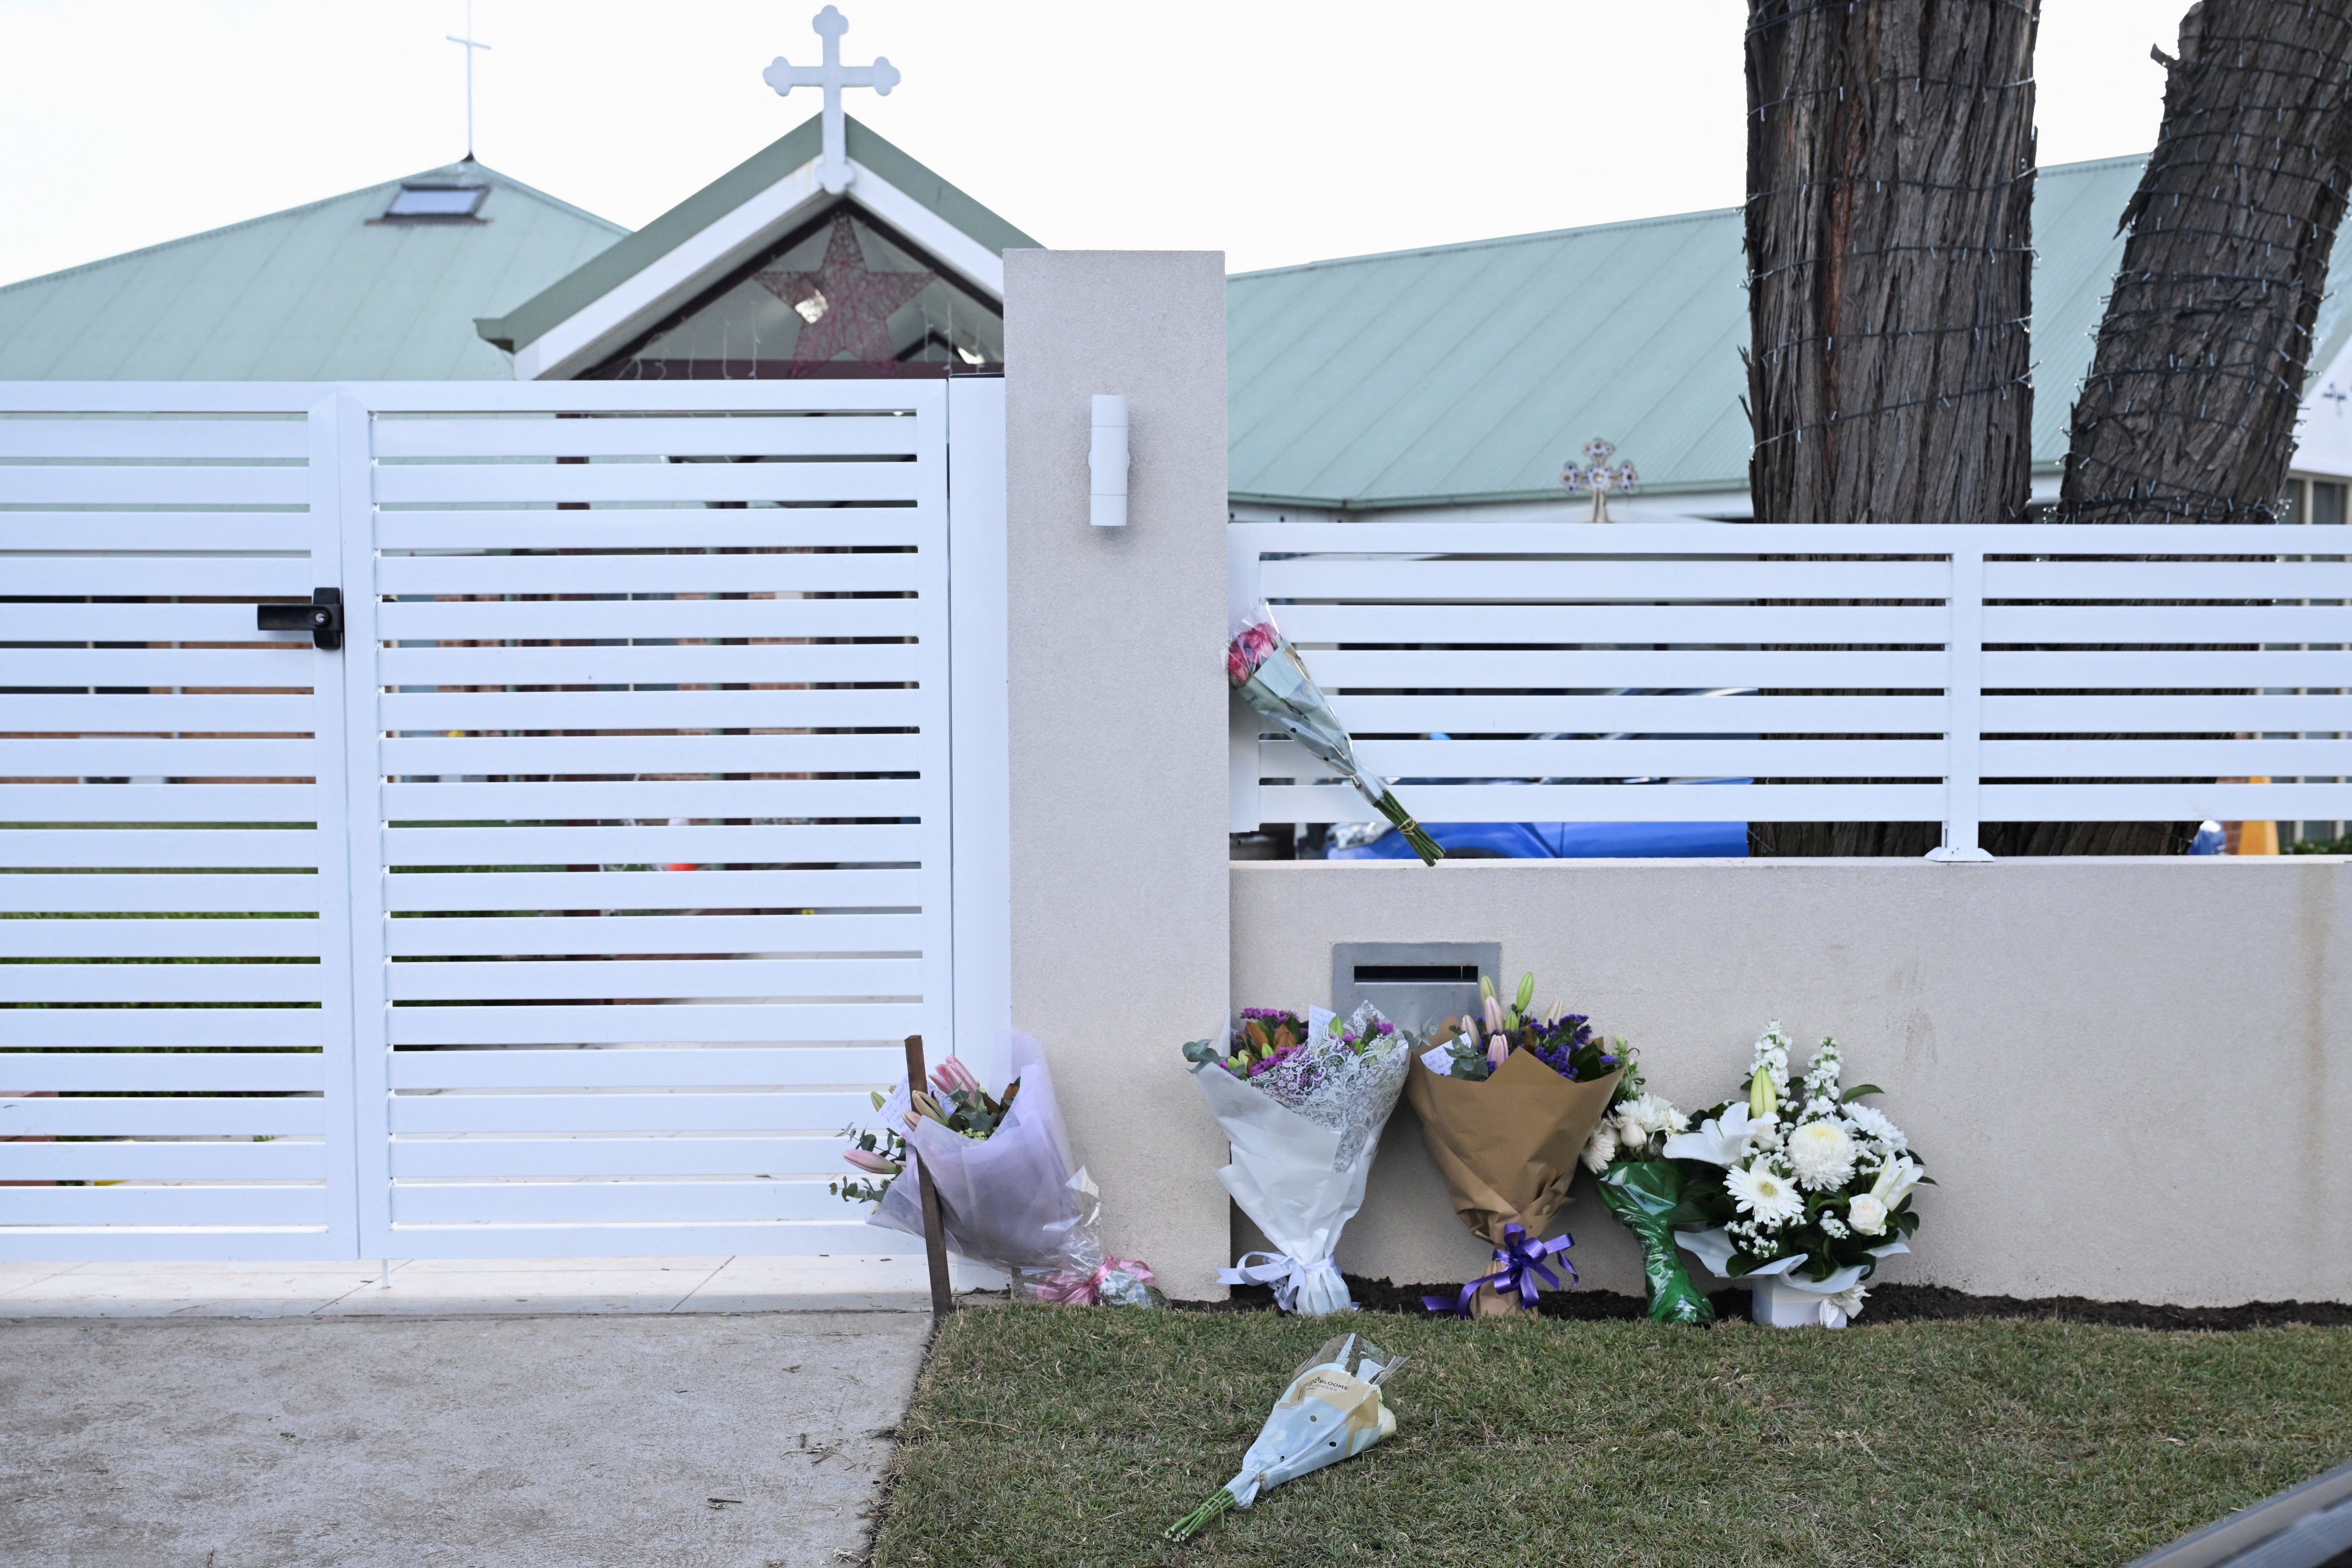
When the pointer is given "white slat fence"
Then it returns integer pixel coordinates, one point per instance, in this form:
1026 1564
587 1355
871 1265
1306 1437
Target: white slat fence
608 862
1558 672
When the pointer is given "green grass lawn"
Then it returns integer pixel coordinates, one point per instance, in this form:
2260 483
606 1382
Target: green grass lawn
1060 1436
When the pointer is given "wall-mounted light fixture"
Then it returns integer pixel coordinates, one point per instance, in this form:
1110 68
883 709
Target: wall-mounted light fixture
1107 462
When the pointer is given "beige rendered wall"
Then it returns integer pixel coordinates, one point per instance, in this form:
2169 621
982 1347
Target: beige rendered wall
2132 1079
1118 718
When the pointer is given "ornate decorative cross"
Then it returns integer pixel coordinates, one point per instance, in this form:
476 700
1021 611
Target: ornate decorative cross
833 171
1599 476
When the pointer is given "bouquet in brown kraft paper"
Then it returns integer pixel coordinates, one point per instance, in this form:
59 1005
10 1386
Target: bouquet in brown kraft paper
1507 1101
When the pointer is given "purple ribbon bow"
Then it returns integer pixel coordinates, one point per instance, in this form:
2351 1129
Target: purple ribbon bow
1522 1264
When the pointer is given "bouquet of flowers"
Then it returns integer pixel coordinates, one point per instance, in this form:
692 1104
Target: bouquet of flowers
1333 1410
1802 1194
1009 1191
1645 1191
1508 1100
1302 1103
1266 670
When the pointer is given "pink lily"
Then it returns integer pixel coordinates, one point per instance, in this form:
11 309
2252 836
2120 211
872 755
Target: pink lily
952 1075
866 1161
1498 1049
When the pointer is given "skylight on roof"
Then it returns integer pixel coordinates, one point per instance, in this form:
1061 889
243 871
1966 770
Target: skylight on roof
436 201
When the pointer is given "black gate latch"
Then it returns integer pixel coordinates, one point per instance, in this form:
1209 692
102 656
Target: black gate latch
322 618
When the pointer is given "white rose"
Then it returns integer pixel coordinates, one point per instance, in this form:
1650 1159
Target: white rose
1867 1215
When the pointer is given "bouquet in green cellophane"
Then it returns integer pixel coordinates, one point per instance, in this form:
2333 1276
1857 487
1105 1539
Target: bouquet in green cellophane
1644 1191
1333 1410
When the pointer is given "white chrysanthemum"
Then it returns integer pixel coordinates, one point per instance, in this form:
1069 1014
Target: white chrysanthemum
1654 1114
1764 1193
1872 1122
1600 1149
1821 1153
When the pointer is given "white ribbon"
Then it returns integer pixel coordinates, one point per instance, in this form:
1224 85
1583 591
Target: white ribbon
1318 1284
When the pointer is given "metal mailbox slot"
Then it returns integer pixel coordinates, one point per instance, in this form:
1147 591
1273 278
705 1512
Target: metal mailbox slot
1413 983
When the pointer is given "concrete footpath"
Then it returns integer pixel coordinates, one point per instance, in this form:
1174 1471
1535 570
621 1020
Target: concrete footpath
573 1441
726 1412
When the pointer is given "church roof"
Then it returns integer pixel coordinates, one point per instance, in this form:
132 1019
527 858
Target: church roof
568 296
321 292
1470 372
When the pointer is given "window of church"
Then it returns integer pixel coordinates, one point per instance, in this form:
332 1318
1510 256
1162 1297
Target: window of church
843 295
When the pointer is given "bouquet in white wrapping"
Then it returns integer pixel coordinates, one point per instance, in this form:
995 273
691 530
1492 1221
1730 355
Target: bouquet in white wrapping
1009 1191
1333 1410
1302 1101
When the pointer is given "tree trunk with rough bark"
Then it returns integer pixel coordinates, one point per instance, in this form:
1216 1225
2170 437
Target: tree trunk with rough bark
2189 412
1890 158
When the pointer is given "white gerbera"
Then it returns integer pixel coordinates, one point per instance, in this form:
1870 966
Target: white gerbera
1821 1153
1600 1149
1764 1193
1872 1122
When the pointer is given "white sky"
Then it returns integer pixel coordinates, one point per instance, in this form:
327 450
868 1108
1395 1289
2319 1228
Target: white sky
1276 131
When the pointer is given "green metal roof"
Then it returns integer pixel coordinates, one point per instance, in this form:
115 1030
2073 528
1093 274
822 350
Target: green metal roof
1470 372
567 296
314 293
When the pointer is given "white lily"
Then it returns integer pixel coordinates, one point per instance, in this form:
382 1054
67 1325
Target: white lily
1720 1141
1897 1180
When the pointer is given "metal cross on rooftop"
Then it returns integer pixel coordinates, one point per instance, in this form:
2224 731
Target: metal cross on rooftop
471 46
833 170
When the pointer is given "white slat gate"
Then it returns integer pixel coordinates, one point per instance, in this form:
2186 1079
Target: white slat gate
617 838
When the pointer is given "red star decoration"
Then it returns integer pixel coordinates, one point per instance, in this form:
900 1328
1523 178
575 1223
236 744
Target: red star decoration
859 301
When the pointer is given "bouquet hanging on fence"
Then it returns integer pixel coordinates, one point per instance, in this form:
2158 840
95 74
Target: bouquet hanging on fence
1302 1101
1009 1191
1333 1410
1645 1191
1262 666
1810 1189
1508 1099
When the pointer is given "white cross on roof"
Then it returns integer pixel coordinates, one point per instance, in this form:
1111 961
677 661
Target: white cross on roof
833 170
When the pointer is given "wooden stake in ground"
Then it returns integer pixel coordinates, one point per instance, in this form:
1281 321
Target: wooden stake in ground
935 1234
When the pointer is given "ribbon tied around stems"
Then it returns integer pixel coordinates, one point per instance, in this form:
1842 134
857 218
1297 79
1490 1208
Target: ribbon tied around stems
1290 1278
1068 1287
1521 1265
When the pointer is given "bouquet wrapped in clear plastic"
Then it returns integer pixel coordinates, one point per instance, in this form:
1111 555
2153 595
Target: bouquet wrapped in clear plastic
1333 1410
1009 1191
1302 1101
1262 666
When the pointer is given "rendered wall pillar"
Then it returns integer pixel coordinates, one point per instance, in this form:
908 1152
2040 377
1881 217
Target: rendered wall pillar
1121 888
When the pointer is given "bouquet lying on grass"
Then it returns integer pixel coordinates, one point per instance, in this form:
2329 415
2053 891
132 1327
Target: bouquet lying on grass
1645 1191
1801 1195
1333 1410
1009 1192
1508 1100
1302 1101
1262 666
